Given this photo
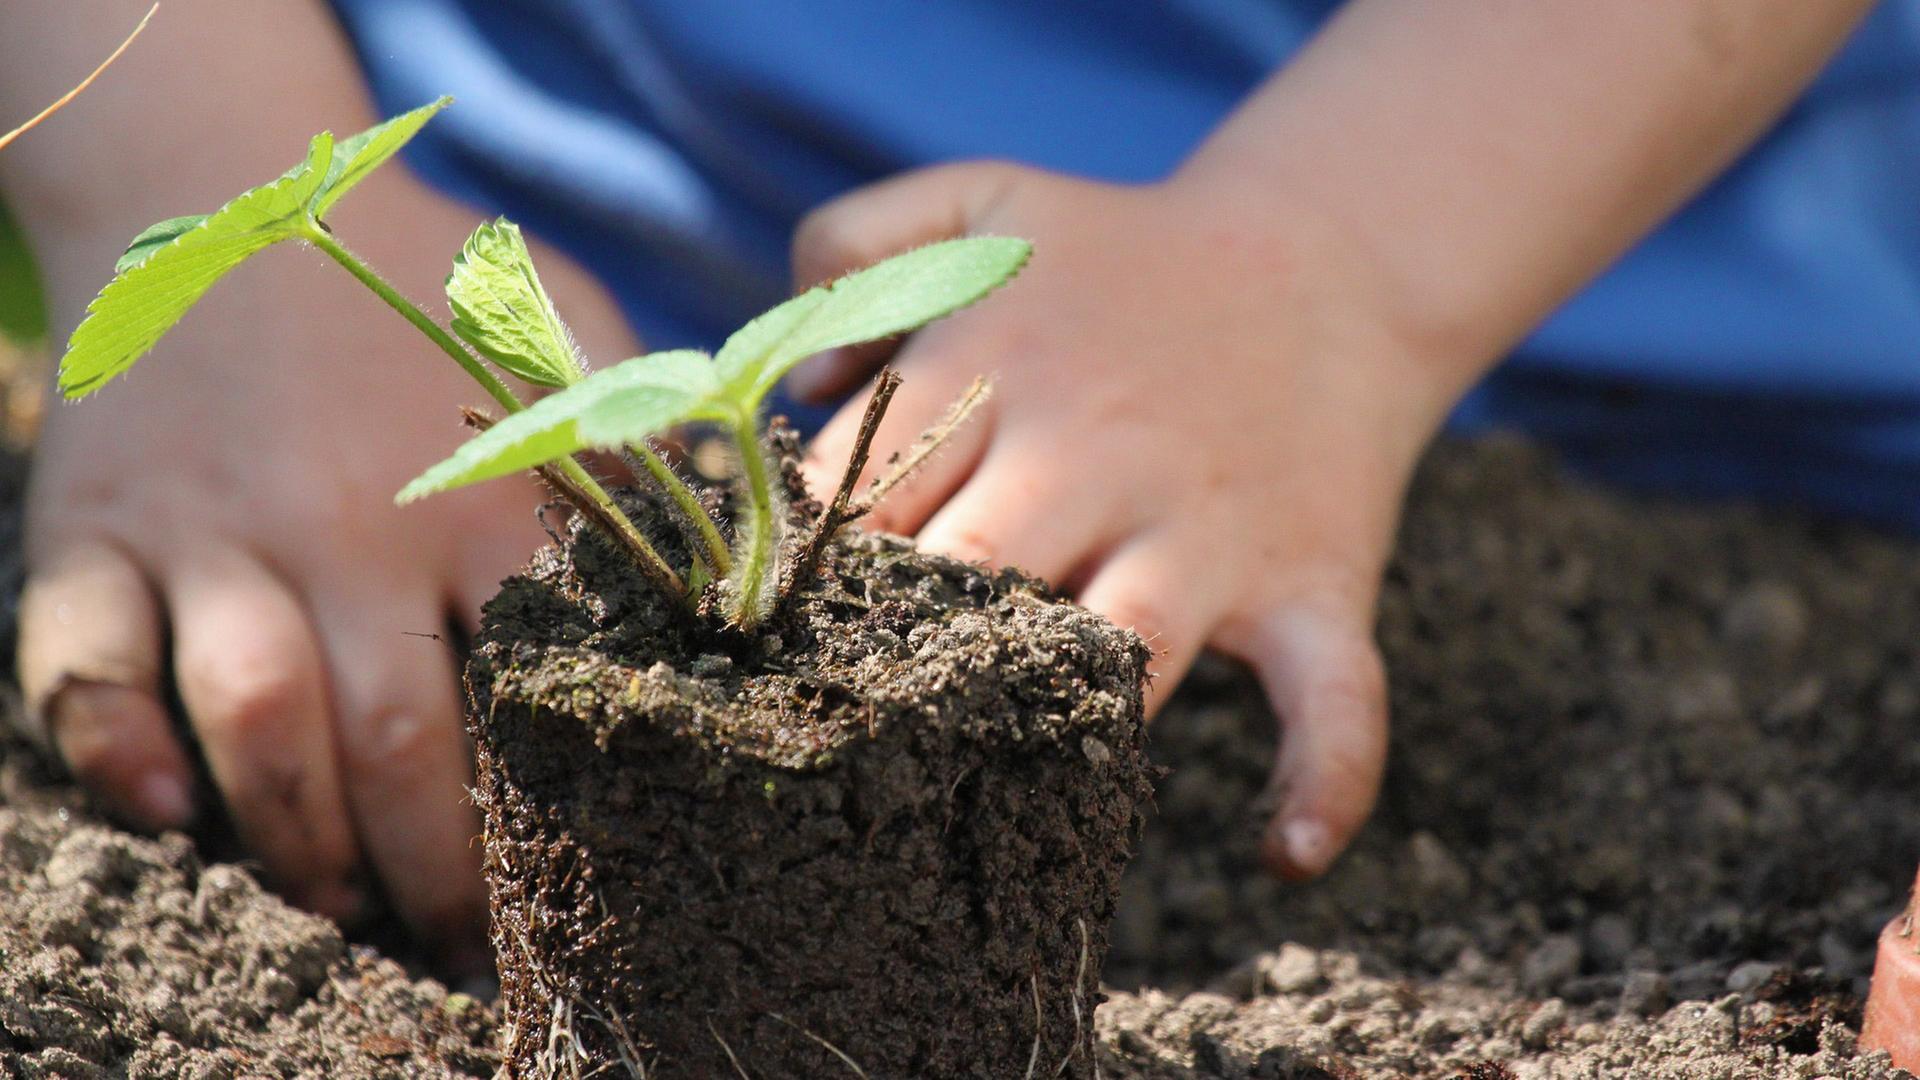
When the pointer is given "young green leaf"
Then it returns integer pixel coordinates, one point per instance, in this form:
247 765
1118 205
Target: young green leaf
891 297
604 411
143 302
358 156
23 301
154 237
501 309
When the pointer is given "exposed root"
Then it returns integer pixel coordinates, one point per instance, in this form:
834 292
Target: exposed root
922 448
1079 983
838 511
728 1049
565 1052
623 1042
836 1051
1039 1029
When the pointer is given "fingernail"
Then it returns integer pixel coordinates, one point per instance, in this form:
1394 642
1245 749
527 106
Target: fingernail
1309 847
164 800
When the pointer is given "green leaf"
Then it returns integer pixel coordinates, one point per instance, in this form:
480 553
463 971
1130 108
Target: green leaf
501 309
23 300
604 411
144 301
749 348
358 156
891 297
155 237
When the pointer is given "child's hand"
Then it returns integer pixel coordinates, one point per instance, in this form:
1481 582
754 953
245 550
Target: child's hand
1212 390
220 525
1201 429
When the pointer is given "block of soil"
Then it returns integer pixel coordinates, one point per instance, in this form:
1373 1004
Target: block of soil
880 836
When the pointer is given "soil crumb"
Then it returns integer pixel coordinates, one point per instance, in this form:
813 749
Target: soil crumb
1650 799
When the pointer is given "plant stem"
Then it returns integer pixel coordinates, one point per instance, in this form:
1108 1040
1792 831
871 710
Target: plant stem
719 561
840 511
754 568
610 515
323 239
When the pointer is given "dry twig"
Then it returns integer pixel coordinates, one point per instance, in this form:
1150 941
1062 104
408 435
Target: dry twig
84 83
838 512
923 447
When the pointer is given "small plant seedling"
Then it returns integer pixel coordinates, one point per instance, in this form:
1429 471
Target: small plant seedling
503 316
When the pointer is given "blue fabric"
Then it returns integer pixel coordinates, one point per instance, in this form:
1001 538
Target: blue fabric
1765 343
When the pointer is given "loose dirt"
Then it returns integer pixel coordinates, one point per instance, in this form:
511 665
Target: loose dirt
1650 798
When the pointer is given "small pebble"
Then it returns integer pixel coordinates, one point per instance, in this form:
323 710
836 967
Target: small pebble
1295 969
1766 617
1435 871
1750 976
1553 961
1645 993
1550 1017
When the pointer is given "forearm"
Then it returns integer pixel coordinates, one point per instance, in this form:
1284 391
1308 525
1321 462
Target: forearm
1490 157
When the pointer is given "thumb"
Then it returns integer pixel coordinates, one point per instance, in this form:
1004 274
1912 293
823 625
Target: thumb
1324 677
871 223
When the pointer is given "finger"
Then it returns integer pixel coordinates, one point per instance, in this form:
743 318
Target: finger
916 406
870 223
89 661
251 677
404 757
1324 678
865 226
1148 586
836 372
1017 511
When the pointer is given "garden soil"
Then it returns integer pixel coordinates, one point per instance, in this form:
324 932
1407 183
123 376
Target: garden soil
882 831
1651 796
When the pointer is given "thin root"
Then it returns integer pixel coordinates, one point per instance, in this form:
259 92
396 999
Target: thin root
729 1050
1079 984
837 1052
1039 1029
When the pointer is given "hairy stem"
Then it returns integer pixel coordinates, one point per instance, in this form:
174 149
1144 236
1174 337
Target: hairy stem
609 514
757 562
583 503
707 543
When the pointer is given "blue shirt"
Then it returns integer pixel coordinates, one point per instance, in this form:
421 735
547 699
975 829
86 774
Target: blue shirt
1764 343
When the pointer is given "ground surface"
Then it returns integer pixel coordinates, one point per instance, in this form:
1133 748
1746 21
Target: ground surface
1650 800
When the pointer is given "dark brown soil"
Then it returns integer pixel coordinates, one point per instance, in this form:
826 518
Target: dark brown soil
881 836
125 957
1652 764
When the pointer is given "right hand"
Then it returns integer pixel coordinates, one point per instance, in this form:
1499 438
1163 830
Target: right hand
219 522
